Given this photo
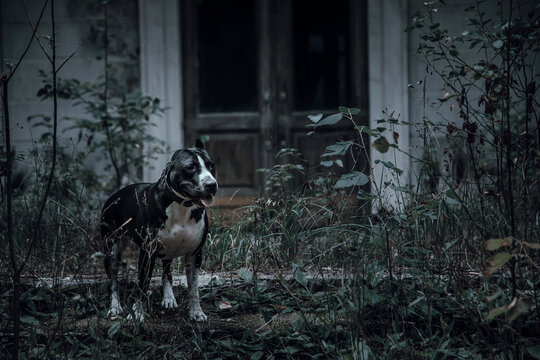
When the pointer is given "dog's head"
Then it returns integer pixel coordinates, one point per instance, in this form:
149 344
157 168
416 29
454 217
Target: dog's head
190 176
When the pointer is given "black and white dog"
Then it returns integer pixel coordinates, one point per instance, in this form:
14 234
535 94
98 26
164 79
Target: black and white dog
166 219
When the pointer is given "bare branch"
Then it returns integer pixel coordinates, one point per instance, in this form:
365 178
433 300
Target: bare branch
28 45
68 58
35 30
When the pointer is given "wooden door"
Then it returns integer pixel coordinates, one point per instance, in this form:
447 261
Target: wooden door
328 69
253 71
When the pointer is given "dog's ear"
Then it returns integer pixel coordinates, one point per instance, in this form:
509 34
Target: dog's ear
199 144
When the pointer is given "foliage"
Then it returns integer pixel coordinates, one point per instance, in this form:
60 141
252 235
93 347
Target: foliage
450 273
495 98
117 127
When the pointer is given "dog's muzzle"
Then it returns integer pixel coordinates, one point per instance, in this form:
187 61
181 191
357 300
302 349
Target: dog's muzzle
205 200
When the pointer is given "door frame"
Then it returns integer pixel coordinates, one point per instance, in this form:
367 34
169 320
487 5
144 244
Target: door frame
161 71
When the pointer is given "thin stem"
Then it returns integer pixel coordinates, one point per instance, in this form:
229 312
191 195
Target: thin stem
9 221
54 140
12 72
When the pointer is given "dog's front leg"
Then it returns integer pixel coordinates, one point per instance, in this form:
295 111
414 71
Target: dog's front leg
193 264
169 301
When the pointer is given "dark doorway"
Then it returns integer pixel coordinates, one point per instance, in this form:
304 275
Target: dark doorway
255 69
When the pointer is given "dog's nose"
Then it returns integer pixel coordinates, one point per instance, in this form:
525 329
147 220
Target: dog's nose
211 188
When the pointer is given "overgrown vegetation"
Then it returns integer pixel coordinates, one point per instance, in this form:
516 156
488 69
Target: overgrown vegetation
450 271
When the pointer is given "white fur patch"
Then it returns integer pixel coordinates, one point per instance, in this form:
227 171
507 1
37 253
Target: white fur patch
194 305
205 175
180 235
169 301
115 308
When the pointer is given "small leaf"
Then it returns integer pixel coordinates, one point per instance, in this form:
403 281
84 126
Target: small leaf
521 306
367 130
299 275
495 244
113 330
29 320
92 332
330 120
496 261
315 118
493 313
492 297
285 152
452 194
347 111
362 195
245 274
535 246
355 178
497 44
390 166
257 355
327 163
337 149
381 145
451 197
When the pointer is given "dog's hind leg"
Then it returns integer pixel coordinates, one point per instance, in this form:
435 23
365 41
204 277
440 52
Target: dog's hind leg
169 301
112 261
147 259
193 264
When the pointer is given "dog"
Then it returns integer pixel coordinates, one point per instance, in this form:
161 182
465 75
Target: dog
166 219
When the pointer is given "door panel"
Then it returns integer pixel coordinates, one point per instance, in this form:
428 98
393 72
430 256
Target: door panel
235 157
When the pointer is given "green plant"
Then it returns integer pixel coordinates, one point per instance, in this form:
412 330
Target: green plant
117 121
117 127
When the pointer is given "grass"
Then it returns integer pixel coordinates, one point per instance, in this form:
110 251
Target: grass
414 288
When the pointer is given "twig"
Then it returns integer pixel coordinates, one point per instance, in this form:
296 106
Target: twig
54 142
28 45
35 30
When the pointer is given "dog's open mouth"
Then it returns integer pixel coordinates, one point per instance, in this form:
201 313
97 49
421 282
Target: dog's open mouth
207 202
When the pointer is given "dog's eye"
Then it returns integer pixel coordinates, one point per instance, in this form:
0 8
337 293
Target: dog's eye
190 167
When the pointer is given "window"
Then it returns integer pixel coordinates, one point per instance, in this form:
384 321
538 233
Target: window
321 54
227 54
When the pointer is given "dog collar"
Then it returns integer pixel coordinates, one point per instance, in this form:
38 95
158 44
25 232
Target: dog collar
170 192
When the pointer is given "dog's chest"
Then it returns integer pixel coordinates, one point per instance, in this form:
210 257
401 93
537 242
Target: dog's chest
181 234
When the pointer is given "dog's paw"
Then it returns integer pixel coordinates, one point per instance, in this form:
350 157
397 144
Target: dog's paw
169 301
197 315
138 313
114 311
